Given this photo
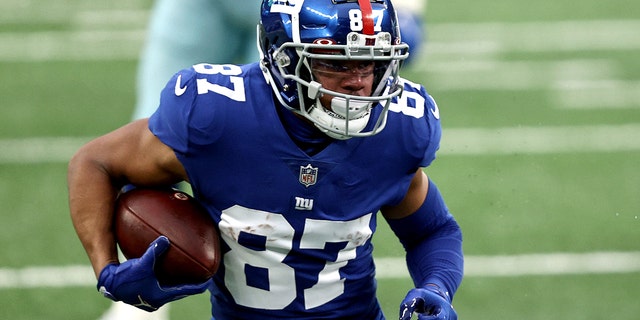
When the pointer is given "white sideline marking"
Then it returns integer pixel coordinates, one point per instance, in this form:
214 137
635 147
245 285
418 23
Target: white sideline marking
456 38
489 74
598 94
532 36
71 46
39 149
530 264
47 276
470 56
455 141
541 140
387 268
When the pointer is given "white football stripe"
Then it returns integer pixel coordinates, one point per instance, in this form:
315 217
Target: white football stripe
446 39
387 268
541 140
455 141
530 264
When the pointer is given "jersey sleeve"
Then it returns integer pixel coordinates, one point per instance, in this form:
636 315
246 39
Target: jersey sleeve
432 117
170 122
195 103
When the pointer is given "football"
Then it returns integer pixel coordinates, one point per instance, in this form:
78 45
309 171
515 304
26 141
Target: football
141 215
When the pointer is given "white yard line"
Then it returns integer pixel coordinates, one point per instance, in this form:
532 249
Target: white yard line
39 149
59 12
530 264
469 56
459 56
455 141
488 74
71 46
533 36
47 276
541 140
446 40
387 268
597 94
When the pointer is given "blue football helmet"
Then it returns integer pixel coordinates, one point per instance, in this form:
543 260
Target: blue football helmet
293 34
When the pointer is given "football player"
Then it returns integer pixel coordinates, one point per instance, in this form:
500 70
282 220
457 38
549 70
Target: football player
293 157
186 32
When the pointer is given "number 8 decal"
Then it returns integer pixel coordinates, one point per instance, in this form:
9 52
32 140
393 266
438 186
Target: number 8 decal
277 236
255 272
356 24
415 108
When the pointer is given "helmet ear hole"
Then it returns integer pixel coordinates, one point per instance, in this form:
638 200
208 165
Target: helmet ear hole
282 59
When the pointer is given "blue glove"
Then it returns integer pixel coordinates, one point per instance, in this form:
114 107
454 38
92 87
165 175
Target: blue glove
135 283
429 302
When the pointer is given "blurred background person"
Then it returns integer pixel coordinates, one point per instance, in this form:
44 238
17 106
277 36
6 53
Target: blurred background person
185 32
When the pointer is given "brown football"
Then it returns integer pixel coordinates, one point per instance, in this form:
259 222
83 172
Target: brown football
141 215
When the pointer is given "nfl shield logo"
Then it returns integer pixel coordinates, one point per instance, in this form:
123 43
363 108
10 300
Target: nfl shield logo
308 175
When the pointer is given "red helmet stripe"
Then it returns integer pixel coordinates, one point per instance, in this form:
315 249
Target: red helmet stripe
367 16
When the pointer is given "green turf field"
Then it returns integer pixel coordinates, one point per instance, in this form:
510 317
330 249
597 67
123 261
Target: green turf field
540 105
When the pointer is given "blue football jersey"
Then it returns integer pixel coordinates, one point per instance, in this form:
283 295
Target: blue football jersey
296 229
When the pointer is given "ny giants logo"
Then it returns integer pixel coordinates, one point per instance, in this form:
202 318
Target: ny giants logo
286 6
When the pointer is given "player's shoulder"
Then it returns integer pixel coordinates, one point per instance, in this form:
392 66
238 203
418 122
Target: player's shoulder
215 84
415 116
416 103
414 88
198 101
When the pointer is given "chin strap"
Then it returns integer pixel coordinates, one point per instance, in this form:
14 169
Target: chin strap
325 119
350 109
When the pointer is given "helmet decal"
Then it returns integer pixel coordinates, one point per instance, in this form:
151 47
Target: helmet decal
367 16
286 6
292 8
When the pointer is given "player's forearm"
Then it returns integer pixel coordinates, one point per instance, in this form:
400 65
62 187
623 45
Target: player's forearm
433 241
438 259
91 201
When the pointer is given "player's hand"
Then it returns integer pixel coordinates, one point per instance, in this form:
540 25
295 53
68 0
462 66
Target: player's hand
135 283
429 302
